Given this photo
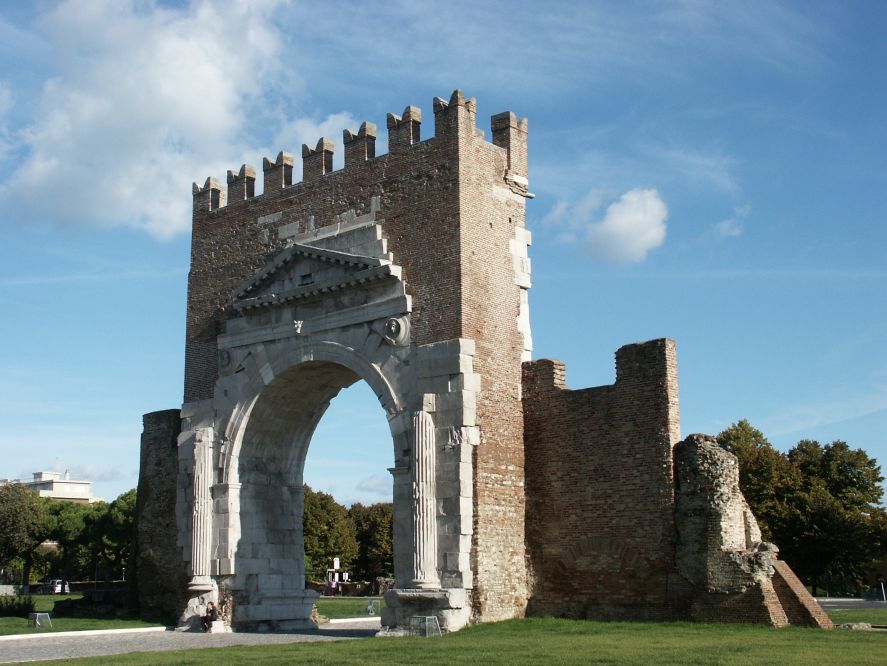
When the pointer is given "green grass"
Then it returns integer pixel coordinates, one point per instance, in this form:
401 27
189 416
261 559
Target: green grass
339 607
44 604
870 615
555 641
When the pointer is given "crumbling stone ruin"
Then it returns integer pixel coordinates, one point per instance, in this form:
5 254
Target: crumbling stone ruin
512 493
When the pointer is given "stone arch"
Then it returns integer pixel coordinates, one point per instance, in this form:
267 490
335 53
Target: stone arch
258 537
315 320
268 559
311 352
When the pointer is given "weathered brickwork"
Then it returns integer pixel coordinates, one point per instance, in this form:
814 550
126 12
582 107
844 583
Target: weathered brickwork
733 576
600 501
512 493
799 605
451 210
160 572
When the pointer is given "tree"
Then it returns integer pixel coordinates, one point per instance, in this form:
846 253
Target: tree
118 526
817 503
838 527
374 525
328 532
66 522
850 476
22 526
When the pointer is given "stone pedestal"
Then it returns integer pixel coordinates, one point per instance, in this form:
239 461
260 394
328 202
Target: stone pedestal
289 612
451 607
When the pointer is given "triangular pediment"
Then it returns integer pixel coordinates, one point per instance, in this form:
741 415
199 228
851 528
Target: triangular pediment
305 271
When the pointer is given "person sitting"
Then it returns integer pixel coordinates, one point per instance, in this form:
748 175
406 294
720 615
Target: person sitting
211 616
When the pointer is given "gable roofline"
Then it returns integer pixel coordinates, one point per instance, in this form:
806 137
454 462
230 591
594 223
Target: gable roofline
269 270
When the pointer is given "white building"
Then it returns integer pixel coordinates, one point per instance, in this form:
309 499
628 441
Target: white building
60 486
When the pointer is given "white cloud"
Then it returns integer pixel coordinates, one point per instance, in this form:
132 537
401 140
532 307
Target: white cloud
732 226
375 485
144 100
632 226
5 106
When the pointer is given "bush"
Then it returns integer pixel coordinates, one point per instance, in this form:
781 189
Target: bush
16 606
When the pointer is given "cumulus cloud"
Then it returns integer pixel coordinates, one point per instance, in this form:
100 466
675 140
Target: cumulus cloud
631 227
142 100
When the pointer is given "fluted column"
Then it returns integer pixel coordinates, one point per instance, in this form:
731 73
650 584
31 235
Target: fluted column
424 503
201 525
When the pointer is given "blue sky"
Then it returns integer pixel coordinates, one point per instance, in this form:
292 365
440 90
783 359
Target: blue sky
710 172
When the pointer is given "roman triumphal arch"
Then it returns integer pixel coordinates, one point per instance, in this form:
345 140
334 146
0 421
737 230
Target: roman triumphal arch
313 320
513 494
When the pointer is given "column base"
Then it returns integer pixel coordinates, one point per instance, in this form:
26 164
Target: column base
451 607
200 584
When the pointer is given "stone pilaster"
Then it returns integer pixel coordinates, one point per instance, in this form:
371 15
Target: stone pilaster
424 504
202 518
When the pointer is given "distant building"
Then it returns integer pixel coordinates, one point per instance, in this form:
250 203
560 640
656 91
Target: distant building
60 486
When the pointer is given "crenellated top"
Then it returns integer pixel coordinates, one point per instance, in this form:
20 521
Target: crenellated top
208 197
242 185
359 147
279 173
454 119
404 130
317 161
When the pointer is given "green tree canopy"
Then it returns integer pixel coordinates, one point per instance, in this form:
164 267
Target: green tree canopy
328 532
112 532
23 525
374 525
818 503
67 525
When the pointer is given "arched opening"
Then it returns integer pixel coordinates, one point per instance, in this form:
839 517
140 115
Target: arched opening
269 569
348 500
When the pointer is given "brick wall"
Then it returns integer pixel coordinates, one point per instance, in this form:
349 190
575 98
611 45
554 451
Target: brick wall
450 206
490 307
160 573
800 606
600 502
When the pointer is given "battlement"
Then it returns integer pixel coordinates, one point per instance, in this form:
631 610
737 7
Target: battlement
454 121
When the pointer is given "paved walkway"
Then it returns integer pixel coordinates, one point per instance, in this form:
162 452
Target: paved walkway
70 645
837 603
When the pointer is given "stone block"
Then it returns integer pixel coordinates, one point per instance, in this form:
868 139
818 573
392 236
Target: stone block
219 627
388 617
457 561
447 365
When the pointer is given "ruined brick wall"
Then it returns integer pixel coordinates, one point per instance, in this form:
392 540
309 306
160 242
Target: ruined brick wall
160 573
452 207
799 605
733 576
600 503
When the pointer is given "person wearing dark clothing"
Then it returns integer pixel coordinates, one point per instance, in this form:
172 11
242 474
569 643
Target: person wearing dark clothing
211 616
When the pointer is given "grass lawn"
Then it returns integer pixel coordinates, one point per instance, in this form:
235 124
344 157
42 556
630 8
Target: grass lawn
870 615
339 607
556 641
44 604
